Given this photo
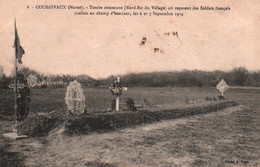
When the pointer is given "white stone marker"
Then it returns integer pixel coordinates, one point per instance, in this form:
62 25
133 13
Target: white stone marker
222 87
75 98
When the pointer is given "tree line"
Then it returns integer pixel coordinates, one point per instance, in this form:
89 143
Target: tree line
236 77
47 80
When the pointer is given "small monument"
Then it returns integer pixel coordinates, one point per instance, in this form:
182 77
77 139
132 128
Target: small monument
222 87
116 89
32 81
22 105
23 98
75 98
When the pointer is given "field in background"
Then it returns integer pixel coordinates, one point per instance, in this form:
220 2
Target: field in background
99 99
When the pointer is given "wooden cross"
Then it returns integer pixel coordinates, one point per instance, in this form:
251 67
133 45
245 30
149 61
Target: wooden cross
118 95
18 86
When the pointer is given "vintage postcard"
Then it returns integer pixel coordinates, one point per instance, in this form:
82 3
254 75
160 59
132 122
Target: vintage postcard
129 83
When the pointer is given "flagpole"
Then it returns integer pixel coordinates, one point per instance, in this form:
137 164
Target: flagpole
15 83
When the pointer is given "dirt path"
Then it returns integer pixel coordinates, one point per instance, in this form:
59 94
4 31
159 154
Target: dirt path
7 157
214 139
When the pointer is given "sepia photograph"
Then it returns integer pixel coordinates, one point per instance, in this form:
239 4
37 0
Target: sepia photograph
113 83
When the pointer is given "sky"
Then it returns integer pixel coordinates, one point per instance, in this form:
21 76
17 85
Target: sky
58 42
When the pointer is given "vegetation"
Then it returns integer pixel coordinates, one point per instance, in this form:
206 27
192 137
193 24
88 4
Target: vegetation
47 80
130 104
237 77
187 78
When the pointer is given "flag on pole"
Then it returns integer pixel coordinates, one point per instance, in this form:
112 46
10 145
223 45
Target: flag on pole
18 48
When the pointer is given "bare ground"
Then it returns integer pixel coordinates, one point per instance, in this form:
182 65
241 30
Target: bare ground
214 139
7 157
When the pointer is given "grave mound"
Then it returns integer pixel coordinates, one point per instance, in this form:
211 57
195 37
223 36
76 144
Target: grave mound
104 122
41 124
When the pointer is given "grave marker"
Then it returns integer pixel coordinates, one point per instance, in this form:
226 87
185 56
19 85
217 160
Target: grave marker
18 87
75 98
222 87
23 97
116 89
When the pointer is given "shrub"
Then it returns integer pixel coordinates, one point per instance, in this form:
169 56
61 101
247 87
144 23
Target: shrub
130 104
43 86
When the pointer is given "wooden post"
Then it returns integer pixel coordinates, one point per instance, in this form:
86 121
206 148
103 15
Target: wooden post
14 134
15 93
117 103
15 81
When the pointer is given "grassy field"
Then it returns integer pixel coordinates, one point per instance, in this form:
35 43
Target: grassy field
99 99
214 139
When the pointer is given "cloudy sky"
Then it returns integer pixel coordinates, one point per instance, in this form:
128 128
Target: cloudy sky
57 41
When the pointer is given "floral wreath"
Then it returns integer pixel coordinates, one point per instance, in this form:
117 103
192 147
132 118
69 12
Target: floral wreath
116 90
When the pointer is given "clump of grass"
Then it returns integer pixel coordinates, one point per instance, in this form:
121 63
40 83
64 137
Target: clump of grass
99 164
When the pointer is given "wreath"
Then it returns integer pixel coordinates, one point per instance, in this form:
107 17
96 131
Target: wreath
116 89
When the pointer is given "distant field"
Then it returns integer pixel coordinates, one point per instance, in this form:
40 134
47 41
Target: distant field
99 99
